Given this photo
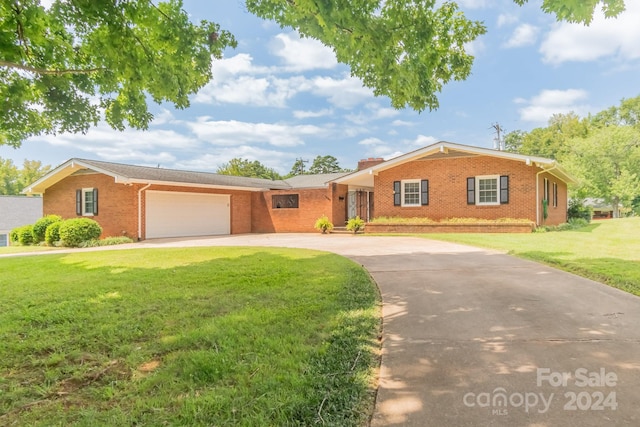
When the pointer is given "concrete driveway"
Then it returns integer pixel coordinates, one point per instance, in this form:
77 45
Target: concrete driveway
477 338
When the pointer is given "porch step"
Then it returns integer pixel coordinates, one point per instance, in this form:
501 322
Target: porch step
343 230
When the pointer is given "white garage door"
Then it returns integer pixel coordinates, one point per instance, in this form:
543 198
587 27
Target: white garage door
173 214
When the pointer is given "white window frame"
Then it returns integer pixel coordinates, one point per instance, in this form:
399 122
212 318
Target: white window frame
84 202
7 239
496 178
402 191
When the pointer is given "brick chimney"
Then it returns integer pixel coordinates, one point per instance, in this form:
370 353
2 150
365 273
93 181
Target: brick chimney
367 163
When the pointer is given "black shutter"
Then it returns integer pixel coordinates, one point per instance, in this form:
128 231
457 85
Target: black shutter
95 201
471 191
424 192
78 202
504 189
397 195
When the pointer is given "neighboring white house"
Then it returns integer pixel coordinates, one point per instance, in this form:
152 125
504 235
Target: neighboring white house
16 211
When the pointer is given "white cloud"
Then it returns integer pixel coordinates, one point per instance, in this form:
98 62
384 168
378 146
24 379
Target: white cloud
232 132
384 113
401 123
423 141
549 102
163 117
303 54
343 93
301 114
371 141
475 47
216 157
151 147
474 4
506 19
603 38
523 35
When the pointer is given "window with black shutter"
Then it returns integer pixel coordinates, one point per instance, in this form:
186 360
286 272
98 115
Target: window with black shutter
471 191
424 192
397 194
504 189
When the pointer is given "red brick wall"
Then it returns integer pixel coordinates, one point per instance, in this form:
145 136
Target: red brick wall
312 203
339 214
557 214
448 188
117 203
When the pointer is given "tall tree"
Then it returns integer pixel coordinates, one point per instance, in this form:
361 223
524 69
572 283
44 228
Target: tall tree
298 168
8 177
14 180
552 141
64 67
245 167
608 161
626 114
32 170
325 164
61 67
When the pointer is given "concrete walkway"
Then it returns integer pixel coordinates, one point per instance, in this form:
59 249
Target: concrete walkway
477 338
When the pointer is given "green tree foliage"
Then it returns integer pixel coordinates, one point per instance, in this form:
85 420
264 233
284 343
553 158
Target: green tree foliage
579 10
65 67
627 114
298 168
14 180
608 161
513 141
552 141
325 164
9 176
61 67
406 50
245 167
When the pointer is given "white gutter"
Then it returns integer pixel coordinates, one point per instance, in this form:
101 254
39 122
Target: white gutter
140 210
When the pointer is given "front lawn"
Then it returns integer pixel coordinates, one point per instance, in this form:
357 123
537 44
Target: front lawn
195 336
607 250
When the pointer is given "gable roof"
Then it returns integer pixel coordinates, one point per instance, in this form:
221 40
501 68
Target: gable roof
16 211
314 181
446 149
132 174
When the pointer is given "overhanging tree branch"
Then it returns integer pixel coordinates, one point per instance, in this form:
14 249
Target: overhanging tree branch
46 72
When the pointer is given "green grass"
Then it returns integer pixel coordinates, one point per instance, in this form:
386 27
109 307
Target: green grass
607 251
197 336
24 249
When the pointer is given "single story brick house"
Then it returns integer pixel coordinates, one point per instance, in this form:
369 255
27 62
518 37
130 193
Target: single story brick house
16 211
439 181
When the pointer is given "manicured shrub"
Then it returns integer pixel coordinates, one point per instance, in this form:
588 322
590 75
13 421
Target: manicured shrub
14 236
323 224
77 230
107 241
355 224
25 235
52 235
40 227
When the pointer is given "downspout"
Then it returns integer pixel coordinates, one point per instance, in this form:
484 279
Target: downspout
140 210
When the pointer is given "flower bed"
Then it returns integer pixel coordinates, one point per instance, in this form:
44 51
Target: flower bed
479 226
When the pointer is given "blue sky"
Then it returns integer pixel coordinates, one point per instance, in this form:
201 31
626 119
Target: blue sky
278 97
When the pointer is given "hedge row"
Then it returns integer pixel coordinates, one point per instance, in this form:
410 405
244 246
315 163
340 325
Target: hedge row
55 231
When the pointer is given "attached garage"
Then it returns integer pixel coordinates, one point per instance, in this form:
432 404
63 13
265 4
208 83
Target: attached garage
181 214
